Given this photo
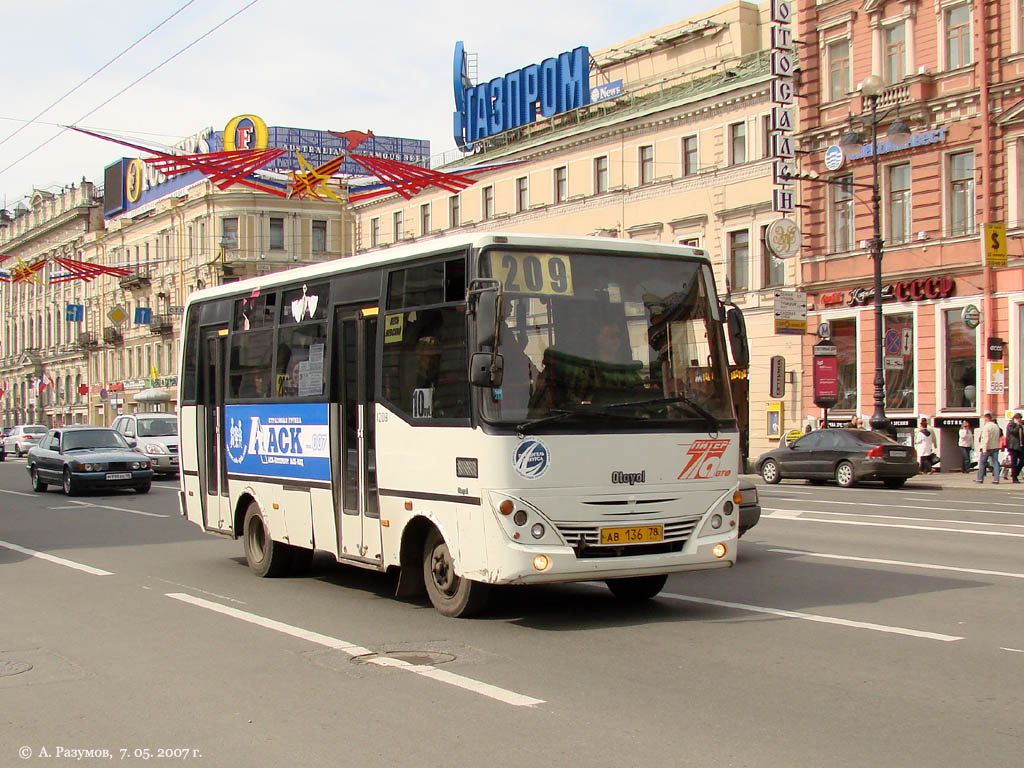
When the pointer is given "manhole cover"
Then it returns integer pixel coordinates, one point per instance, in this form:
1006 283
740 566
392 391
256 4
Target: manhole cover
421 658
9 668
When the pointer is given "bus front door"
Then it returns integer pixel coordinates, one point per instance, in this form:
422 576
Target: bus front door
213 484
355 470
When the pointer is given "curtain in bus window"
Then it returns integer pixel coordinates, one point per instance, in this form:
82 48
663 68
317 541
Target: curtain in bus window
424 365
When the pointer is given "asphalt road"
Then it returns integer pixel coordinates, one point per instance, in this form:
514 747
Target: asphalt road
861 627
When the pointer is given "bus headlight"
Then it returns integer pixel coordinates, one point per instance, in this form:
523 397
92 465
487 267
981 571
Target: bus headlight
537 531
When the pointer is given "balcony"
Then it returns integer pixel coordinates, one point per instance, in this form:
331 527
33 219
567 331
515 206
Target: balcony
86 340
161 324
137 279
112 336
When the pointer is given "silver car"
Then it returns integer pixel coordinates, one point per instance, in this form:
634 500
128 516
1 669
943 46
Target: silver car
23 437
154 434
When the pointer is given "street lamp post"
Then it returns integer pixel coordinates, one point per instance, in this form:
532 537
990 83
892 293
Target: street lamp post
898 135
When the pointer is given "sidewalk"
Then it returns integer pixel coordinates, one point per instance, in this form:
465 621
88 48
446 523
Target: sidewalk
940 481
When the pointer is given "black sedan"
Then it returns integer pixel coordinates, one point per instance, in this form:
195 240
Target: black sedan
847 456
81 457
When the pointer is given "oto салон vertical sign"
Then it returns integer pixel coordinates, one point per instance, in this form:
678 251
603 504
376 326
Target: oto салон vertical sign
783 120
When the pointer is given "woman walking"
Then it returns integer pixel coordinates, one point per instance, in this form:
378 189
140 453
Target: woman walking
966 443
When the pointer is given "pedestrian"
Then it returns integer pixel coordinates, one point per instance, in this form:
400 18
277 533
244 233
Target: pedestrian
1015 445
807 429
925 444
988 448
966 442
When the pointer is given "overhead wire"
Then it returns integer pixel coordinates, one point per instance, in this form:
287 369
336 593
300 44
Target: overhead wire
90 77
133 83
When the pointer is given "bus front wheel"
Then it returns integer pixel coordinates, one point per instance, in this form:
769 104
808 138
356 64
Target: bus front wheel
265 556
451 594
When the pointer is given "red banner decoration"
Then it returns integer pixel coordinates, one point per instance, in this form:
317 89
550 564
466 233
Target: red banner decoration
83 270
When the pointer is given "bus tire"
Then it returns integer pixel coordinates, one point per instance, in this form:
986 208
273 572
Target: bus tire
451 594
266 557
637 588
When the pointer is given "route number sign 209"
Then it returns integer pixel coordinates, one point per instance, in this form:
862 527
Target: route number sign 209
536 273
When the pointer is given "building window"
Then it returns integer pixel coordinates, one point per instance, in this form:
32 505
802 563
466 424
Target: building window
398 224
766 136
425 219
228 234
693 242
375 231
561 179
899 203
961 193
895 52
773 268
844 336
689 155
899 368
276 234
842 215
961 362
646 164
454 211
319 236
838 69
522 194
487 203
600 174
739 260
958 36
737 143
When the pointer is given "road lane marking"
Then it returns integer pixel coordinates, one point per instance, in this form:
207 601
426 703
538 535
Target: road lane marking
815 617
53 559
17 493
201 591
908 506
904 563
968 501
1012 650
443 676
793 515
80 504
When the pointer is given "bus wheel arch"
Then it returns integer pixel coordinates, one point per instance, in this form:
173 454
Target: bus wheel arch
410 558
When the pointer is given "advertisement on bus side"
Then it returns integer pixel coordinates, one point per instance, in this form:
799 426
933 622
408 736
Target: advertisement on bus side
284 440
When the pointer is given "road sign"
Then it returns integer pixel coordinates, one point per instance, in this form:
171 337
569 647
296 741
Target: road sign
825 330
824 349
790 312
994 236
893 363
116 315
893 343
908 341
777 376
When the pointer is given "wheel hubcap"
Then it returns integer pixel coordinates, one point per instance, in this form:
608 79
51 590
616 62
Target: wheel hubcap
441 568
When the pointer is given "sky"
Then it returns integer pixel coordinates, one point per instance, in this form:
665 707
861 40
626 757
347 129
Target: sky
321 64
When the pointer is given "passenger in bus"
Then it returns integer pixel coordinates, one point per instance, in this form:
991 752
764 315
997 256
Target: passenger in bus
255 384
520 374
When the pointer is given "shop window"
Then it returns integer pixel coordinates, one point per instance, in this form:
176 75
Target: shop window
844 336
899 362
961 347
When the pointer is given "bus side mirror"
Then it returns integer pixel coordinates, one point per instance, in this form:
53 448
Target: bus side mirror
486 314
738 337
486 369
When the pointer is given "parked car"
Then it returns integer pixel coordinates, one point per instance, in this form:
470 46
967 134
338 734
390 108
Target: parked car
23 437
750 508
154 434
847 456
81 457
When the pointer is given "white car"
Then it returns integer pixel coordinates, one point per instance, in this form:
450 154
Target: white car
154 434
23 437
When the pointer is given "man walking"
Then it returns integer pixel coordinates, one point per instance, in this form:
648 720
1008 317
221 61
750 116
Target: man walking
988 445
1015 445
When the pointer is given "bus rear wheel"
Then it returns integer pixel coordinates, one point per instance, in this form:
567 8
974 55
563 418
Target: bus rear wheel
451 594
637 588
265 556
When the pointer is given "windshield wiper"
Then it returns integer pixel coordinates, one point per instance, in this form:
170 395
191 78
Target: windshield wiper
696 407
561 414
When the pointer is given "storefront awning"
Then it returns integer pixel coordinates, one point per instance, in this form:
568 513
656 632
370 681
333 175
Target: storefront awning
152 396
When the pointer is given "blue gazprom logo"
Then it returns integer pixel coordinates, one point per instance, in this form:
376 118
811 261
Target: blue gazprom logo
531 458
555 85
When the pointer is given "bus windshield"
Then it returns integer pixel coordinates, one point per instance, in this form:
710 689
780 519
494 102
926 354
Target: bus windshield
615 341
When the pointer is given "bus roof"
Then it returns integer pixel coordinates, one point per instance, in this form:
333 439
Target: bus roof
424 248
